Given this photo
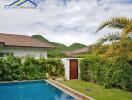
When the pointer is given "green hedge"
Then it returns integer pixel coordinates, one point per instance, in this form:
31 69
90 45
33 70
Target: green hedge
87 71
29 68
114 72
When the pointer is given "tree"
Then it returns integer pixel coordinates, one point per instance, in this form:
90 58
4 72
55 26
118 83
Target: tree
123 39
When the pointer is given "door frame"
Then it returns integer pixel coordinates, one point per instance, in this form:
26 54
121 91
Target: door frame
70 68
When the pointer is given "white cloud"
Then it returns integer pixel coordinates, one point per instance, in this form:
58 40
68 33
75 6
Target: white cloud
65 22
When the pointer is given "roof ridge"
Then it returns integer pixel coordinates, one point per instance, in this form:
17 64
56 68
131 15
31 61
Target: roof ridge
15 34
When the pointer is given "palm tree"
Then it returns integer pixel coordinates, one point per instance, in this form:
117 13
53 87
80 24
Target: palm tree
123 23
111 38
118 22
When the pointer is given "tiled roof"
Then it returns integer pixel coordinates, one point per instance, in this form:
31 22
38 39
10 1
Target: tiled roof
22 41
78 51
82 50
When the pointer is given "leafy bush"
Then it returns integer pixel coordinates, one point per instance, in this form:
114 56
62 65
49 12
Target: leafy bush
54 67
88 72
29 68
115 72
56 54
10 68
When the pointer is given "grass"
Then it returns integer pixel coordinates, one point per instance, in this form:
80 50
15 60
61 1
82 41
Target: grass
98 92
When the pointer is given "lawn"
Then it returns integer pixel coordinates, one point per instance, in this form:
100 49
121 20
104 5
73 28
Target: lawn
98 92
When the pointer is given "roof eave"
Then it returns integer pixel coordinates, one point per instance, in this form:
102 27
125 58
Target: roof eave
29 46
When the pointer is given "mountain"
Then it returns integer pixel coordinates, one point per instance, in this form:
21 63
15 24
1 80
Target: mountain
60 47
75 46
39 37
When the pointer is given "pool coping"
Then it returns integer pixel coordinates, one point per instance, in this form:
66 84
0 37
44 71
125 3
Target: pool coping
18 81
70 91
60 88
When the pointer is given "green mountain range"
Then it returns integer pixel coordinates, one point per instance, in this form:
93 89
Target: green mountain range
60 47
39 37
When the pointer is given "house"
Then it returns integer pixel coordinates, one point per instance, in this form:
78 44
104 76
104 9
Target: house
22 45
80 52
77 52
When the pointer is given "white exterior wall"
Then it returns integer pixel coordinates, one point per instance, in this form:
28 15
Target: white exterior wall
67 67
66 62
22 52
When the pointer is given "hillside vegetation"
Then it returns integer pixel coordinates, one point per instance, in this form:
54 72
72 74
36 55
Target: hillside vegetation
60 47
75 46
39 37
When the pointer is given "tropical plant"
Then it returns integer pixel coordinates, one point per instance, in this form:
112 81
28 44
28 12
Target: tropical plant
110 38
120 42
120 23
116 70
29 68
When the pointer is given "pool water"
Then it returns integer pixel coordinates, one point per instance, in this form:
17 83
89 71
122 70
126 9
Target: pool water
34 90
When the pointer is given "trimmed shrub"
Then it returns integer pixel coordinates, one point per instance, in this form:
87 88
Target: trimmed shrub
10 68
115 72
29 68
88 72
54 67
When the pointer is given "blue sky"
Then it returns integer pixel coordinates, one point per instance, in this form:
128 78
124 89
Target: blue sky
64 21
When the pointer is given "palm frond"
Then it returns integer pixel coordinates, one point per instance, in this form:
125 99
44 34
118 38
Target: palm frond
128 29
115 22
108 38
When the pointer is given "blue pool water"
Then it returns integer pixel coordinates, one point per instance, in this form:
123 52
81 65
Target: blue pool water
34 90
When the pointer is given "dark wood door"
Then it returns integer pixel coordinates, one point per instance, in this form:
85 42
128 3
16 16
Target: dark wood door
73 69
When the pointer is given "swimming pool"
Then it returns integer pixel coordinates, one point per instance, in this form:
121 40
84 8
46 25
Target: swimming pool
32 90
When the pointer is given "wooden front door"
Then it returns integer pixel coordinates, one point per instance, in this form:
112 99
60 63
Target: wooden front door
73 69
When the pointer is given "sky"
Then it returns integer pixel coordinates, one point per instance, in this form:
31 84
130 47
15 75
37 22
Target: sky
63 21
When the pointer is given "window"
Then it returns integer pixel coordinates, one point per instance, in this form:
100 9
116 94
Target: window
3 54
